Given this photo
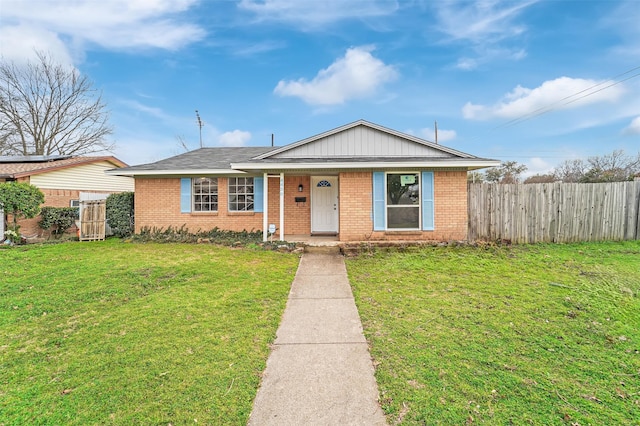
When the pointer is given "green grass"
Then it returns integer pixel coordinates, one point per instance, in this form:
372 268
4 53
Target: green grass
542 334
117 333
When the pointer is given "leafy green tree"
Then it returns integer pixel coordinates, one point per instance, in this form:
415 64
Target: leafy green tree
20 199
506 172
475 177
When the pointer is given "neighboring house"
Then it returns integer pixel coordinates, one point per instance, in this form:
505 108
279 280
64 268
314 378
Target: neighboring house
359 182
64 180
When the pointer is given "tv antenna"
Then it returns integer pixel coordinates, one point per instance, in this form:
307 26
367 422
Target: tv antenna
200 124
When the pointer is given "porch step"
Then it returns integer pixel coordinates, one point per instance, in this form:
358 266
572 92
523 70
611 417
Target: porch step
322 249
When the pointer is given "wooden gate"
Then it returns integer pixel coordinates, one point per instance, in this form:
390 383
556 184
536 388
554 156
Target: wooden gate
93 220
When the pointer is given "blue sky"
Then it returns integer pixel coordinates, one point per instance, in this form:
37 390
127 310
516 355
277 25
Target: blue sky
537 82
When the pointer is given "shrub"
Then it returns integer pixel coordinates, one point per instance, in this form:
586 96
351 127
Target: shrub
20 199
216 235
58 219
120 213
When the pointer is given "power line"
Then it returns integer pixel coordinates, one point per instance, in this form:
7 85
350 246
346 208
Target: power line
548 108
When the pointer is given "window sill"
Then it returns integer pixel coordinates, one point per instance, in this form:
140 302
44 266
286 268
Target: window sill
408 232
230 213
204 213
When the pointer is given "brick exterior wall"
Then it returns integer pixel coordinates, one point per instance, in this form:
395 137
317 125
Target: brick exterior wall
157 204
52 198
450 201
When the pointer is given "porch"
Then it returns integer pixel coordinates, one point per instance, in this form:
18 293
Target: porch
314 241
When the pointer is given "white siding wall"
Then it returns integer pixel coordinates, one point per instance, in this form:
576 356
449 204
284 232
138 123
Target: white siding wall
85 177
362 142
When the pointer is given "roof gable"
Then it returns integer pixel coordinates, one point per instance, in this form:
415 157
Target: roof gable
362 139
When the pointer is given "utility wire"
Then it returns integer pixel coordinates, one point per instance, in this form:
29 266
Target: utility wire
560 102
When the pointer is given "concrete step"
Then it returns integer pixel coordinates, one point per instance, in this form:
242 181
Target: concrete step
322 249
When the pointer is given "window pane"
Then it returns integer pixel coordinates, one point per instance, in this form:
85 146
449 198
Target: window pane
403 217
205 194
403 189
241 194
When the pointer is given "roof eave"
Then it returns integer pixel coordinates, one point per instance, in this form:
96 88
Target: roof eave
463 163
172 172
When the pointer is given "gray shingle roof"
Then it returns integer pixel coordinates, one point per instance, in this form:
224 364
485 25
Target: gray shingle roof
202 159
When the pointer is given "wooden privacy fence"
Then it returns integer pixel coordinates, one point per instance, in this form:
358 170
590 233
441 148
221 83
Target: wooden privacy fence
554 212
92 220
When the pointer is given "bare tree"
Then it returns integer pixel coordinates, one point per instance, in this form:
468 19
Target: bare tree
613 167
47 109
182 143
571 171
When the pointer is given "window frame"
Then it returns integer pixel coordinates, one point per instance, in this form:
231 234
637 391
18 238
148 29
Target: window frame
417 205
247 195
194 194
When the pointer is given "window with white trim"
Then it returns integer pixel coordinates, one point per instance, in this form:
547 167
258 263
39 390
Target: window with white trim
241 194
403 200
205 194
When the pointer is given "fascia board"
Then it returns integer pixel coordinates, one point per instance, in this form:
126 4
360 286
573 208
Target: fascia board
178 172
474 164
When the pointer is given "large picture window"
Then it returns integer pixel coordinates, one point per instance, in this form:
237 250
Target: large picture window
241 194
205 195
403 200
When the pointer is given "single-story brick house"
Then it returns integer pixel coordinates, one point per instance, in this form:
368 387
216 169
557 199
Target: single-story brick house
359 182
64 180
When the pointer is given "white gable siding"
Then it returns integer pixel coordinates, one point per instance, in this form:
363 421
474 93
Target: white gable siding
84 177
361 141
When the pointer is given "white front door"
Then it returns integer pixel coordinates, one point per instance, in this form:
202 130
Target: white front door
324 204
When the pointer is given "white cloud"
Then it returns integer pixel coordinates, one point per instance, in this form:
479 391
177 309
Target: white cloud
114 24
305 13
467 64
20 43
356 75
561 93
443 135
234 138
537 166
634 127
134 107
483 24
479 22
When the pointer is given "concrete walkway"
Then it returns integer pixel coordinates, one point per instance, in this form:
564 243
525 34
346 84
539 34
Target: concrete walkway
319 371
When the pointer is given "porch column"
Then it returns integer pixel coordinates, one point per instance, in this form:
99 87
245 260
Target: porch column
265 208
282 206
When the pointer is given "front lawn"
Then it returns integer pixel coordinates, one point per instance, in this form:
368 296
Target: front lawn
117 333
542 334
